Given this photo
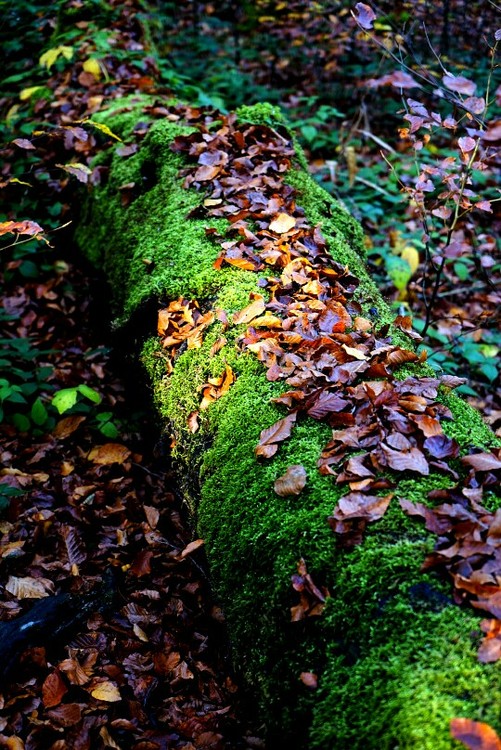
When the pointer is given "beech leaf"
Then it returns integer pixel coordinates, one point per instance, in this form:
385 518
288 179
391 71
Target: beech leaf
364 16
292 482
278 432
483 461
282 223
475 735
459 84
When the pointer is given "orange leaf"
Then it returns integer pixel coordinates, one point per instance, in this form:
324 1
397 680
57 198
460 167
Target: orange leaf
475 735
251 311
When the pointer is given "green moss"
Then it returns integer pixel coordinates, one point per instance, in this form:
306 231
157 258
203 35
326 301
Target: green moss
394 655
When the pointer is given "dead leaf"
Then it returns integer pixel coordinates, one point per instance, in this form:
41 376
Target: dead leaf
191 547
193 424
109 453
292 482
483 461
365 15
67 426
271 436
29 588
250 312
53 689
282 223
106 691
475 735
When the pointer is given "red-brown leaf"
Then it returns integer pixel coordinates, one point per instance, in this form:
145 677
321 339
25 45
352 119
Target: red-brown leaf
278 432
475 735
53 689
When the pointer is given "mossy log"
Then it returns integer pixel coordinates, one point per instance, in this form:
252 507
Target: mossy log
395 657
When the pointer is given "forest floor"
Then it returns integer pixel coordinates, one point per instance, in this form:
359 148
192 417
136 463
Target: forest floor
150 666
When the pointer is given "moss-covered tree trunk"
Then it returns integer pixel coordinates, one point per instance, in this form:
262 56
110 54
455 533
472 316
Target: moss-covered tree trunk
395 657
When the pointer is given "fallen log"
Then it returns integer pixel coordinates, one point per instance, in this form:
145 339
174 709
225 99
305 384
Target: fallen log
258 275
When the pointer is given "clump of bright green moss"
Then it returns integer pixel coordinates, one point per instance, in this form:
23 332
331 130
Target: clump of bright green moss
396 658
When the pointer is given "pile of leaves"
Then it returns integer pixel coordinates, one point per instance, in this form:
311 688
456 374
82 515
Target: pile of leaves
311 335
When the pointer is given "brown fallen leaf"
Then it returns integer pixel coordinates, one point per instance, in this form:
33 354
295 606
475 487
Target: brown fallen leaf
483 461
66 715
292 482
256 308
269 438
67 426
193 424
191 547
53 689
109 453
475 735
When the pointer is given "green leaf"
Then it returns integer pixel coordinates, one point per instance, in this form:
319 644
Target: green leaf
309 133
90 393
39 413
109 430
21 422
490 371
64 399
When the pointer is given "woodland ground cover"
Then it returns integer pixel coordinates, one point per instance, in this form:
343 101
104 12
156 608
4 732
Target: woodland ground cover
82 65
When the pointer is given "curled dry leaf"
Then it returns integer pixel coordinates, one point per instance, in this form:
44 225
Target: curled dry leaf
364 16
475 735
483 461
109 453
29 588
292 482
282 223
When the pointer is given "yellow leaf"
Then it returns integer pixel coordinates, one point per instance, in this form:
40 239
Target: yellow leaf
92 66
283 223
20 182
12 112
411 255
103 128
251 311
106 691
26 94
48 58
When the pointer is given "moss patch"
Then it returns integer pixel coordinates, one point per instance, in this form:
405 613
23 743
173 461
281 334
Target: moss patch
395 657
